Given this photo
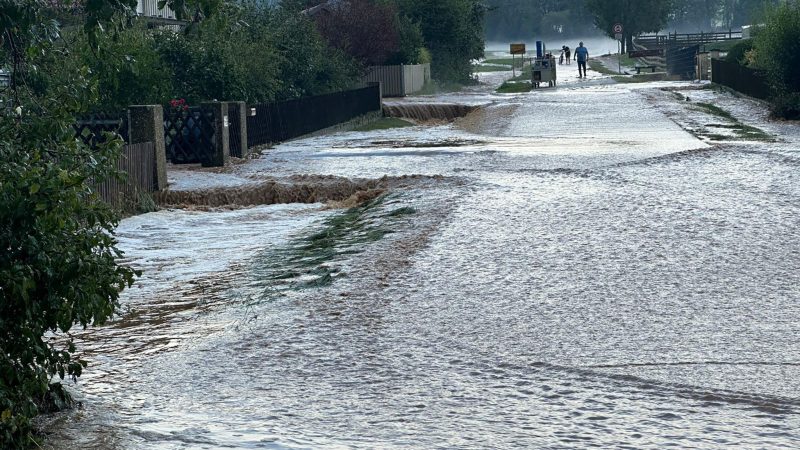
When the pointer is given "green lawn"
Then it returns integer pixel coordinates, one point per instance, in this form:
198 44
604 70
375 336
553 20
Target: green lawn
385 124
483 69
504 61
514 87
597 66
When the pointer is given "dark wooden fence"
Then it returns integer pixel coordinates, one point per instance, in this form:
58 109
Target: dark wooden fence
685 39
137 161
280 121
739 78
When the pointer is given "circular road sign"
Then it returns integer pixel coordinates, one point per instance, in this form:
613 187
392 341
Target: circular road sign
618 28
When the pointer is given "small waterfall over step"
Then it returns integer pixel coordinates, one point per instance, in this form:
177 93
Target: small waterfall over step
427 111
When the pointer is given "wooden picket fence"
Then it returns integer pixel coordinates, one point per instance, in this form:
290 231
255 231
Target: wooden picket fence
137 161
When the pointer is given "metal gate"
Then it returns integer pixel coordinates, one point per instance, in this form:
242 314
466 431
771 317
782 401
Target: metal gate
681 60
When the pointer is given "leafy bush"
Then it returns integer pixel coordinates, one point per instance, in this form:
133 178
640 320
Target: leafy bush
776 53
255 53
453 33
57 267
738 53
58 256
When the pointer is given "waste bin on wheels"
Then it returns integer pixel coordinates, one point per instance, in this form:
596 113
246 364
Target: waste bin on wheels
544 71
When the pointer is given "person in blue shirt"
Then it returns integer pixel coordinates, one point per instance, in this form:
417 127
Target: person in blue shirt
581 55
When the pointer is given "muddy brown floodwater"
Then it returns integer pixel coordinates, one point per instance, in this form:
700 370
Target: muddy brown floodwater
582 266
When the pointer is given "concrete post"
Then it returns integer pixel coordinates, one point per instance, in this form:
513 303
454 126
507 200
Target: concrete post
220 144
146 124
238 115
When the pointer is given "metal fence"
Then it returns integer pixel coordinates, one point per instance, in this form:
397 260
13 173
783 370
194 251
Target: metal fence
280 121
237 150
137 161
739 78
90 128
188 134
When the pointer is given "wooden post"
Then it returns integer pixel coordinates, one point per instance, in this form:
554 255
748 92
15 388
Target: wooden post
146 124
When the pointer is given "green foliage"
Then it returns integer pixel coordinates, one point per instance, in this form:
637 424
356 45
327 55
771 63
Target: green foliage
453 32
307 65
738 53
508 20
412 42
425 56
695 15
247 52
253 53
514 87
637 17
385 123
126 69
58 266
58 263
735 13
776 53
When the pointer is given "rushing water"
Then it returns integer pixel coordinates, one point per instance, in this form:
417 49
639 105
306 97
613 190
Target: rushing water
587 274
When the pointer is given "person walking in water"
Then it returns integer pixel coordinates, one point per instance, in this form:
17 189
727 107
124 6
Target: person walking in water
567 53
581 55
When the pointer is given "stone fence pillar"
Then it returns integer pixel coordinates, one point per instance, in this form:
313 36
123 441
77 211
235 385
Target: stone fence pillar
146 124
238 129
220 146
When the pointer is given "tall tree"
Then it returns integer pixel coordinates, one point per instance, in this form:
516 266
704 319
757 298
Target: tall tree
523 19
696 15
736 13
636 16
453 31
366 30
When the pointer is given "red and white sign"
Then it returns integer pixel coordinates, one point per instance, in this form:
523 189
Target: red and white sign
618 28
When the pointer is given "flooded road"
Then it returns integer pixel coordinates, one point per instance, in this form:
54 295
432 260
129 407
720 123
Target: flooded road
582 266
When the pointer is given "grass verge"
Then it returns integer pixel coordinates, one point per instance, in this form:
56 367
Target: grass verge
741 131
485 69
517 87
505 61
310 261
716 110
525 75
385 124
598 66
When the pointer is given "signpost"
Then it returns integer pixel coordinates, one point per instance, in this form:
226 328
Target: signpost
517 49
618 36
